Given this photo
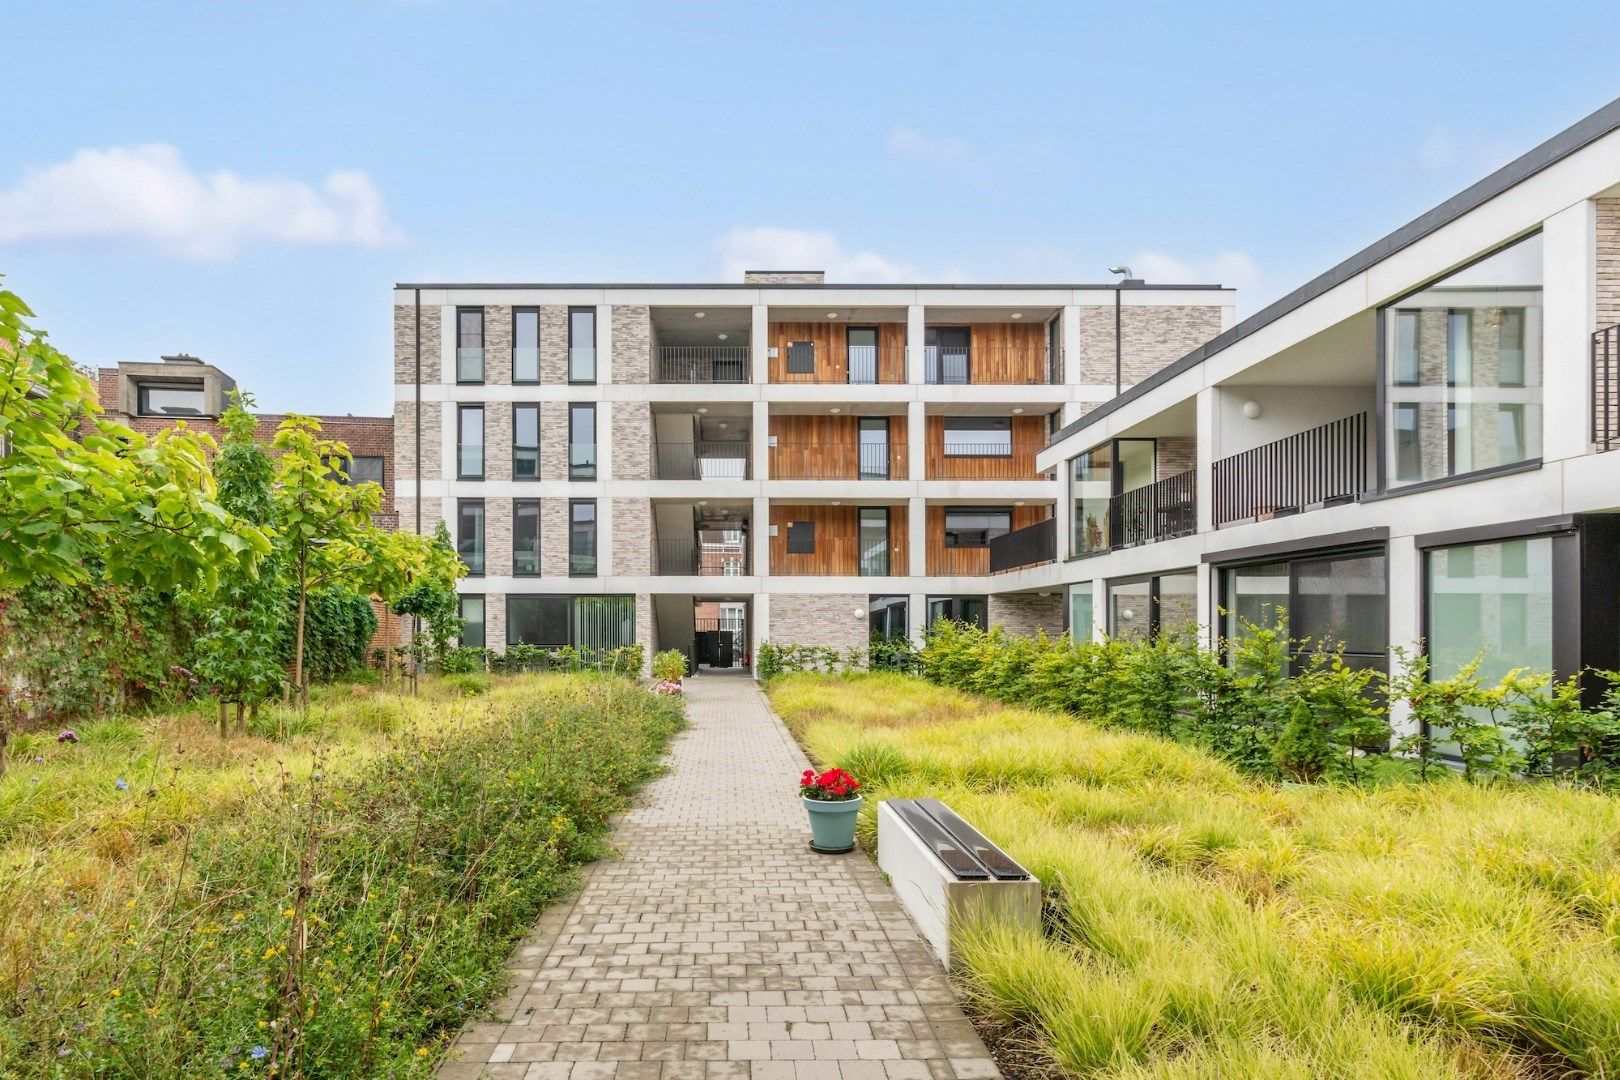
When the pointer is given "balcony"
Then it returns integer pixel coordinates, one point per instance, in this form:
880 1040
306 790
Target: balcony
848 460
1143 515
1029 546
1606 389
705 460
823 540
984 461
829 352
701 364
987 365
1304 471
691 557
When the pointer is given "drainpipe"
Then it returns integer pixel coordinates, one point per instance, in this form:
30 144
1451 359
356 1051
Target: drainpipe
1119 343
417 417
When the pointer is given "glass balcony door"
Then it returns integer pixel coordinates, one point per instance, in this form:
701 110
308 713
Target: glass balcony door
874 448
861 345
946 351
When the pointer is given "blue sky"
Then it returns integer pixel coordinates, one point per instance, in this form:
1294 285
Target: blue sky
245 182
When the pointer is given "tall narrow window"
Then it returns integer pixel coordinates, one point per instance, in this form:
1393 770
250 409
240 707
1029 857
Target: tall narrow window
1408 326
470 442
582 442
582 345
861 345
1510 351
470 345
874 539
525 345
472 622
947 354
525 442
1459 348
1408 454
582 537
470 533
526 537
1081 597
874 447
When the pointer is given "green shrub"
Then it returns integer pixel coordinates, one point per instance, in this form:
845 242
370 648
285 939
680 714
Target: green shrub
774 659
669 666
467 685
338 629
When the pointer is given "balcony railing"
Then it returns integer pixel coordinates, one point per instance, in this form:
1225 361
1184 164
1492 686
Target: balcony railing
1154 512
963 366
1606 389
705 460
470 365
1323 465
1028 546
838 461
582 461
984 461
684 556
854 365
946 561
702 364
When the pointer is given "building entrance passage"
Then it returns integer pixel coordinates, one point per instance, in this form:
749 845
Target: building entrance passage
720 634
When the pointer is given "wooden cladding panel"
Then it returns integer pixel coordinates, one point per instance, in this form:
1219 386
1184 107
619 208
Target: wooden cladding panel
837 552
1028 436
944 560
1007 353
831 354
828 447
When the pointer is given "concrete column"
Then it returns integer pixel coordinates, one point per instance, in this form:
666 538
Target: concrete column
1405 605
917 536
1063 514
1099 607
760 440
1208 451
1208 624
1568 315
1071 345
604 536
759 533
604 344
759 331
915 370
447 347
916 441
759 624
604 437
917 615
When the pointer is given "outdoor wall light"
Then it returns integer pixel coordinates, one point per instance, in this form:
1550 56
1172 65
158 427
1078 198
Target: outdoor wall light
1252 410
860 613
1128 613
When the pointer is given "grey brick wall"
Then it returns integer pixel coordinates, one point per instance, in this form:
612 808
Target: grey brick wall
632 440
554 344
819 620
632 343
784 277
646 630
1026 614
554 537
632 536
1175 455
497 345
498 440
497 537
554 440
1608 262
1153 338
495 621
405 439
405 338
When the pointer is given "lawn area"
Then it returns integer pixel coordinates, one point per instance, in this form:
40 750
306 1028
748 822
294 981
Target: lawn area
1199 923
331 894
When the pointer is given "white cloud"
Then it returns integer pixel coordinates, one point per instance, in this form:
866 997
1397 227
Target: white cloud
911 143
147 196
1233 269
768 247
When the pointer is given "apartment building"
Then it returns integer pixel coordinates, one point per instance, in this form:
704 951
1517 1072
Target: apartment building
1410 448
707 467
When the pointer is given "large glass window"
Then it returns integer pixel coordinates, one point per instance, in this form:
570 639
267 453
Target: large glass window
973 610
582 345
470 442
1091 486
1144 607
602 623
975 526
978 436
1333 602
888 615
582 537
582 442
472 622
874 541
526 536
525 442
1081 617
470 345
537 620
170 399
470 533
525 345
1463 369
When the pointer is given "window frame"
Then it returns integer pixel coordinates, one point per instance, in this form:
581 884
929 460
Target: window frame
576 472
462 506
144 388
568 618
595 337
518 507
517 311
516 406
945 525
482 346
483 620
974 423
462 409
888 539
596 538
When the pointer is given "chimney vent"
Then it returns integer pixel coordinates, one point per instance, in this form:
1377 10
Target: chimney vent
784 277
180 358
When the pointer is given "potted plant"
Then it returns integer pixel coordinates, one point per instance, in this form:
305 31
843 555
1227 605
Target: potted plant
833 801
668 667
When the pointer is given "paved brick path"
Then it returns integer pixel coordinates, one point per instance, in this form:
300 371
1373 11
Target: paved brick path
720 946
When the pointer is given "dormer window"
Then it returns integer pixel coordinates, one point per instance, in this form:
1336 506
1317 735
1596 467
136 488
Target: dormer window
170 399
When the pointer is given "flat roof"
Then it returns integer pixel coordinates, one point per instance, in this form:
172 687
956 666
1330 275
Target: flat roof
796 286
1573 138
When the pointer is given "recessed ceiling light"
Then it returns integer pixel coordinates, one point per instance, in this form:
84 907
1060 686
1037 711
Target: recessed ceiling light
702 409
724 336
837 410
835 502
724 425
1016 315
1018 410
698 314
1020 503
832 314
703 502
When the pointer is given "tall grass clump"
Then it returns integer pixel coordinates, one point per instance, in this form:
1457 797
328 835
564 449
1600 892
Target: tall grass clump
342 919
1201 921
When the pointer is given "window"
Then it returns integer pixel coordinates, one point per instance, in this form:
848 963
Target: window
470 442
525 442
1463 370
801 538
602 623
1091 487
973 610
974 526
1144 607
169 399
470 345
582 442
470 533
581 344
1331 602
889 619
967 436
946 354
357 470
1081 621
472 622
582 537
874 541
874 434
525 537
801 358
525 345
537 620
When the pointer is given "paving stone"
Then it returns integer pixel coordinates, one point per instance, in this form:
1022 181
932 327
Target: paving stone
718 947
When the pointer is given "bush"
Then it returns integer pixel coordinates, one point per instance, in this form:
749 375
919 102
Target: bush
467 685
338 628
669 666
774 659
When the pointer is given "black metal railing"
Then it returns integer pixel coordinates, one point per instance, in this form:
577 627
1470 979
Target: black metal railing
838 461
1305 470
702 363
1028 546
955 365
705 460
691 557
1154 512
1606 389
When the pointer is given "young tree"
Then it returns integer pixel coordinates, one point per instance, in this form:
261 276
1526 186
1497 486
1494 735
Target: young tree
322 523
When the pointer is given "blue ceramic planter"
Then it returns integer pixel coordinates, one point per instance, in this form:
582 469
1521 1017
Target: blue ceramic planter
832 824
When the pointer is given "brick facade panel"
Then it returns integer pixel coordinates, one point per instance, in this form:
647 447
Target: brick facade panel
632 536
632 343
820 620
1153 338
1608 262
632 440
1026 614
404 344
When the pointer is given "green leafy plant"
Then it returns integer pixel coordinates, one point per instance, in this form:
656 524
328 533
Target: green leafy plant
669 666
